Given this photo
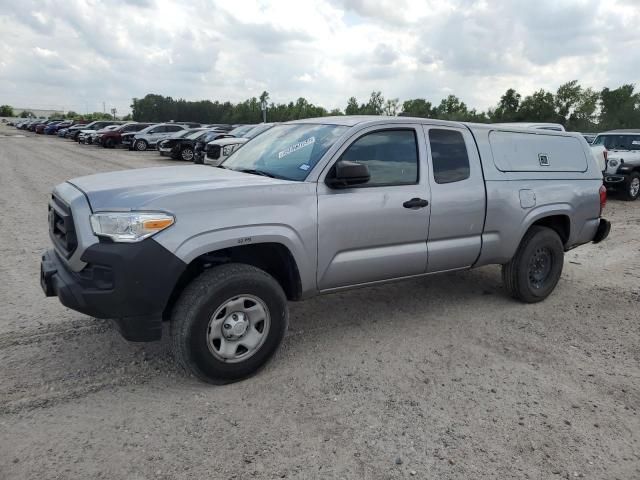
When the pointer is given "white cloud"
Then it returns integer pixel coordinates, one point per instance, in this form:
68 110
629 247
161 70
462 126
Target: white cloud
79 53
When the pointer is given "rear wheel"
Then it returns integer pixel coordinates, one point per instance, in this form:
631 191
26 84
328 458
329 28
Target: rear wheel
632 187
140 145
108 143
228 323
534 271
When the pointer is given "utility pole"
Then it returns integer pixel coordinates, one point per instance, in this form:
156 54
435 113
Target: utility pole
104 108
113 112
263 105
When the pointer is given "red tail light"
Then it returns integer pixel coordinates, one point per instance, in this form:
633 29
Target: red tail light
603 197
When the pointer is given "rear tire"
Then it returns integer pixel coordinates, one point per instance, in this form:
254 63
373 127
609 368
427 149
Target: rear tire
632 187
108 143
200 334
534 271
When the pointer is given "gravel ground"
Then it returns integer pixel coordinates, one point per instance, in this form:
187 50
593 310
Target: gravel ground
436 378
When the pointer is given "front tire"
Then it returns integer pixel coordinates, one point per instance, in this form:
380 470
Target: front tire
108 143
186 154
632 187
228 322
140 145
534 271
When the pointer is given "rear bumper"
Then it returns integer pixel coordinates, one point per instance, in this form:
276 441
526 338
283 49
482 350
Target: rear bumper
129 283
604 227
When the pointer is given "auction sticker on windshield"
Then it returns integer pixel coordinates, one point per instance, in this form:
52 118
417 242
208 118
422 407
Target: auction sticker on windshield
296 146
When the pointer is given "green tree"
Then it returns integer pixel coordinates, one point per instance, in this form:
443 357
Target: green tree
375 105
352 107
452 108
26 114
391 106
417 107
508 107
539 107
567 98
619 108
6 111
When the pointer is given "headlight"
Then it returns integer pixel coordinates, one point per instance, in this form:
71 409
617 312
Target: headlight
613 163
129 226
228 150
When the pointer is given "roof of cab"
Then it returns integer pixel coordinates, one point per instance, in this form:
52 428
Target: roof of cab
352 120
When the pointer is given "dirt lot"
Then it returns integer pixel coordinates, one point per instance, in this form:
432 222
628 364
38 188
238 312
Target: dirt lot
437 378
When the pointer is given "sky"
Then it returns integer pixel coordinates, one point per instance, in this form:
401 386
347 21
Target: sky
77 54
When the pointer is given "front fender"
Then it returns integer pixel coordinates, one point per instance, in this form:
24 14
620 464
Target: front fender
285 235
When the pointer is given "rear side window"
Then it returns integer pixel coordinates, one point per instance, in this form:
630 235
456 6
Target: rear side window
173 128
391 155
449 155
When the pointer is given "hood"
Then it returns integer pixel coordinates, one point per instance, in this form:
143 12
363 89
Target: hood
152 187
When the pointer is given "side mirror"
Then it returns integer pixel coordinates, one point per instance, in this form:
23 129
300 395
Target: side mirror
346 173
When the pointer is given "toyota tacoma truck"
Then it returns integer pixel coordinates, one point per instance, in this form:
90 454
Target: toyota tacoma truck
622 156
311 207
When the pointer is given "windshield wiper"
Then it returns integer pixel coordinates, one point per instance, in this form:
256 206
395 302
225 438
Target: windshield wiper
261 172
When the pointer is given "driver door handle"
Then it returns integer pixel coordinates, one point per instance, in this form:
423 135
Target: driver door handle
415 203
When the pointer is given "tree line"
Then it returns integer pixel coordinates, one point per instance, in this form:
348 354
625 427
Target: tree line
575 107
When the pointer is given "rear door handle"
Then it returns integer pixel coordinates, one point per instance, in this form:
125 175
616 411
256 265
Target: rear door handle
415 203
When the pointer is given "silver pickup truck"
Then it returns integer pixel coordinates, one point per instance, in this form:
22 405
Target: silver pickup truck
311 207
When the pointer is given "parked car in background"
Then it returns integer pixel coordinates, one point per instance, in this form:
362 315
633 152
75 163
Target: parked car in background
201 142
622 171
189 124
90 139
218 151
64 131
150 136
313 207
74 131
41 126
53 128
589 137
183 148
84 134
165 146
112 138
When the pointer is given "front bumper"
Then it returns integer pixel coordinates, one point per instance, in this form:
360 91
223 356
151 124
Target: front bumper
129 283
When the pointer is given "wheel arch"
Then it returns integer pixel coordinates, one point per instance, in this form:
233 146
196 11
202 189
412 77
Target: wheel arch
273 257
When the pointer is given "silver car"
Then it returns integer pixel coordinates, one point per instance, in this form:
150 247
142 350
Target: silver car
150 136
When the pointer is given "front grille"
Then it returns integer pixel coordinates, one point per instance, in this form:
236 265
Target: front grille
61 227
213 152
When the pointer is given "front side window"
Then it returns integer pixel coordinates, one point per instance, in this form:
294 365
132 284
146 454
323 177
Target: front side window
288 151
173 128
449 156
390 155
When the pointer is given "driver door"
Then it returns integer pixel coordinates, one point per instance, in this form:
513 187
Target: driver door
375 231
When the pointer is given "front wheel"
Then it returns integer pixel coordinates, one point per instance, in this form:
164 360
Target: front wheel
228 323
534 271
108 143
186 154
140 145
632 187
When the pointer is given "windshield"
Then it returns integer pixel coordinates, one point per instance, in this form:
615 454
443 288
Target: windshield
255 131
618 142
286 151
195 134
240 131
